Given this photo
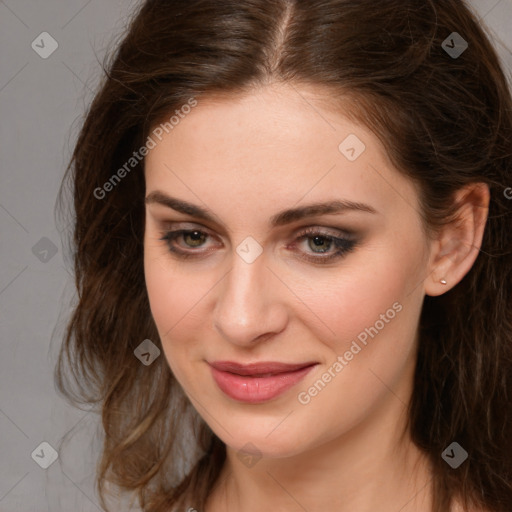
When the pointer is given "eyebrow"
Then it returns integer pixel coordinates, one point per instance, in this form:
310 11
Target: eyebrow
279 219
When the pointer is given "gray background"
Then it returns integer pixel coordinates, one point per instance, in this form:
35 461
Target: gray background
41 106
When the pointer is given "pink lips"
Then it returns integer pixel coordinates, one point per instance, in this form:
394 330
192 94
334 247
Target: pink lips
259 382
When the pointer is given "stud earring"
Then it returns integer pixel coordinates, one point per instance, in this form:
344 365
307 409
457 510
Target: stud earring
443 281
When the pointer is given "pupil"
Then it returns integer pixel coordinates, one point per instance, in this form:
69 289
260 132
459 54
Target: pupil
195 236
319 241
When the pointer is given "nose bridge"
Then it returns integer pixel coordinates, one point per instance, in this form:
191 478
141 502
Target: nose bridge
246 305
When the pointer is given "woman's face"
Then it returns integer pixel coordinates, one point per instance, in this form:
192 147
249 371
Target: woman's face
249 283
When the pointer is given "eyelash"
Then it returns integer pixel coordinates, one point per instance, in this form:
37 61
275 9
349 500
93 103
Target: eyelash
342 245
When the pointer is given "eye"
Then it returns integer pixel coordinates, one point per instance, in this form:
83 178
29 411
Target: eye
193 238
318 242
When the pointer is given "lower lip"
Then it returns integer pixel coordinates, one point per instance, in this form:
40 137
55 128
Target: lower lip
255 390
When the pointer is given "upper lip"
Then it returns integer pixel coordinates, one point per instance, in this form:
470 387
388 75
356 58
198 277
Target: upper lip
258 368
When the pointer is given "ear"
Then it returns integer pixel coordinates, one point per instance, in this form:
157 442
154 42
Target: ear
458 243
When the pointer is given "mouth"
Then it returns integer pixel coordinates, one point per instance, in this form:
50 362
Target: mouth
258 382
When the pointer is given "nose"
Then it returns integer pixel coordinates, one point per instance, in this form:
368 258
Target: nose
250 304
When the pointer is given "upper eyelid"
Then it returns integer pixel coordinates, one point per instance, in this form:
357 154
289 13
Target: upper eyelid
300 234
194 226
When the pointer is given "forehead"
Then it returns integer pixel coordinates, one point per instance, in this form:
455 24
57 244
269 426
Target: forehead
271 118
281 144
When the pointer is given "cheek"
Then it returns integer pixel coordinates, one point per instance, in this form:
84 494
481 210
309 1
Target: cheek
367 294
374 311
176 296
369 313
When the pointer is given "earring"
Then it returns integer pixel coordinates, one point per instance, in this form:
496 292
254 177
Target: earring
443 281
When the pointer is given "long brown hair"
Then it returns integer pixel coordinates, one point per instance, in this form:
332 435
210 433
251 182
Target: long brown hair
445 121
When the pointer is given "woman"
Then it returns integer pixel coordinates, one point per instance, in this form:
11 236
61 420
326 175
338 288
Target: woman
293 258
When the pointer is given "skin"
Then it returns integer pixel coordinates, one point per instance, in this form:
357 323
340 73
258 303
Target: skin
245 158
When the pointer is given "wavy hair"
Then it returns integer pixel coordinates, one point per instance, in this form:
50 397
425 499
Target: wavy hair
445 122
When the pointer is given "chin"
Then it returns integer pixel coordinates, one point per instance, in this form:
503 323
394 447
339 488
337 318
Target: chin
259 446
